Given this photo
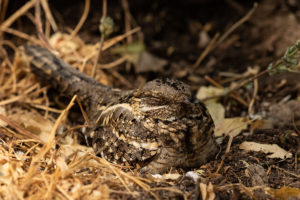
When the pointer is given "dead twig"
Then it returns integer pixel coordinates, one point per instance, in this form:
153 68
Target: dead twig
224 157
127 22
239 99
288 62
285 171
255 91
83 112
104 14
109 43
114 63
9 21
49 15
127 19
21 35
236 25
39 26
84 16
214 43
206 51
3 9
19 128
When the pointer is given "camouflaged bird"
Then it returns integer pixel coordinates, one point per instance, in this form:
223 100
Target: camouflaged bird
153 128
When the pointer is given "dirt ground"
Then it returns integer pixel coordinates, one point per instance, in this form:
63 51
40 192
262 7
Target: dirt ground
211 45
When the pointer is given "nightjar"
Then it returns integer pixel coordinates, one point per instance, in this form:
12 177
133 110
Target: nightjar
153 128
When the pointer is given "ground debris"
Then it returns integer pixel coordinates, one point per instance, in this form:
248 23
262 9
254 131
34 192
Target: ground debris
42 157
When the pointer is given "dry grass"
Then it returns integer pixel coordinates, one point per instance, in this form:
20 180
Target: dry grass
40 157
39 154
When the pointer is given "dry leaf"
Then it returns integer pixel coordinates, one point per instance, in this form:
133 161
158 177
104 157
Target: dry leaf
207 191
5 169
231 126
274 149
166 176
224 126
149 63
259 124
216 110
64 43
34 123
171 176
67 150
207 92
284 193
2 112
62 165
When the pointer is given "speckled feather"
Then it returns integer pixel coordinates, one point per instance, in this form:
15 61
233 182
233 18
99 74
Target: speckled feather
156 127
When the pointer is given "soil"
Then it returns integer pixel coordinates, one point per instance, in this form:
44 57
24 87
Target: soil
178 32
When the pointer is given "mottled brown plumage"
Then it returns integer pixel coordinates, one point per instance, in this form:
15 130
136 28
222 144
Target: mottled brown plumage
156 127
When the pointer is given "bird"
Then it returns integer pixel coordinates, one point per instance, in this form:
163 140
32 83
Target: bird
153 128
